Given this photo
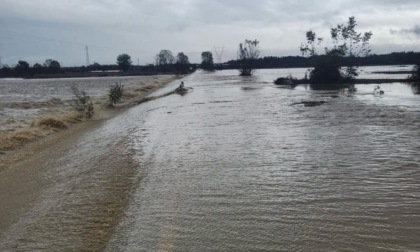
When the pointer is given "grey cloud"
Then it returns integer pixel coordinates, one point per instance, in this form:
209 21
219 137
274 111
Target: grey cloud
413 31
144 27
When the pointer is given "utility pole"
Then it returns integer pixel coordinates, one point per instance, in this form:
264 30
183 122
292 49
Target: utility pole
138 61
87 56
219 54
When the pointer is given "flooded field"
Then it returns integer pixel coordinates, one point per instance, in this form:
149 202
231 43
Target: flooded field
234 165
23 100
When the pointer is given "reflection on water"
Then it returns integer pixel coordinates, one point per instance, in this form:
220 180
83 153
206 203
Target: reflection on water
415 87
232 166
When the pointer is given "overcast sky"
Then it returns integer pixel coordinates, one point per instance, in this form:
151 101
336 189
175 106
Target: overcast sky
34 30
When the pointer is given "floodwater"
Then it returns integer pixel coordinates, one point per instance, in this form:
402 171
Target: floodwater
22 100
233 165
38 90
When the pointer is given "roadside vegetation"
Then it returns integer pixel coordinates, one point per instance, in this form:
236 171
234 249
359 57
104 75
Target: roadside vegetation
60 115
115 93
81 102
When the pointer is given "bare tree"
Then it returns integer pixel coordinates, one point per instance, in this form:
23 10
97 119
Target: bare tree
248 54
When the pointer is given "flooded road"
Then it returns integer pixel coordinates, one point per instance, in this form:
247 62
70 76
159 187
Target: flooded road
231 166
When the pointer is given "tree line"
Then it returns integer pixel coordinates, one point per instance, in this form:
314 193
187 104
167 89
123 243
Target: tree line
336 63
395 58
165 63
24 70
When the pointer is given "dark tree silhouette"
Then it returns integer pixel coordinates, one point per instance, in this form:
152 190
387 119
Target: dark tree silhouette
337 64
164 57
207 61
181 58
52 66
22 69
182 63
124 62
248 54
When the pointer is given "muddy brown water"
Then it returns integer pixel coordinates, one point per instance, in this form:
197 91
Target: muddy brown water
232 166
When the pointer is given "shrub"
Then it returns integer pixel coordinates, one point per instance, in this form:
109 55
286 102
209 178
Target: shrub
377 91
115 93
81 102
289 80
414 79
326 74
415 76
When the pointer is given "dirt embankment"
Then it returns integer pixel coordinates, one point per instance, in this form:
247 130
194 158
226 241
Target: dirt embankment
22 137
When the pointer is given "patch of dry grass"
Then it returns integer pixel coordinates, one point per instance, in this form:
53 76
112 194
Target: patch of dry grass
52 123
12 140
38 128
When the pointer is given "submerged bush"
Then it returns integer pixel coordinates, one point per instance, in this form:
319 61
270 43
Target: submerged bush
414 79
115 93
282 81
415 76
377 91
82 102
326 71
289 80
